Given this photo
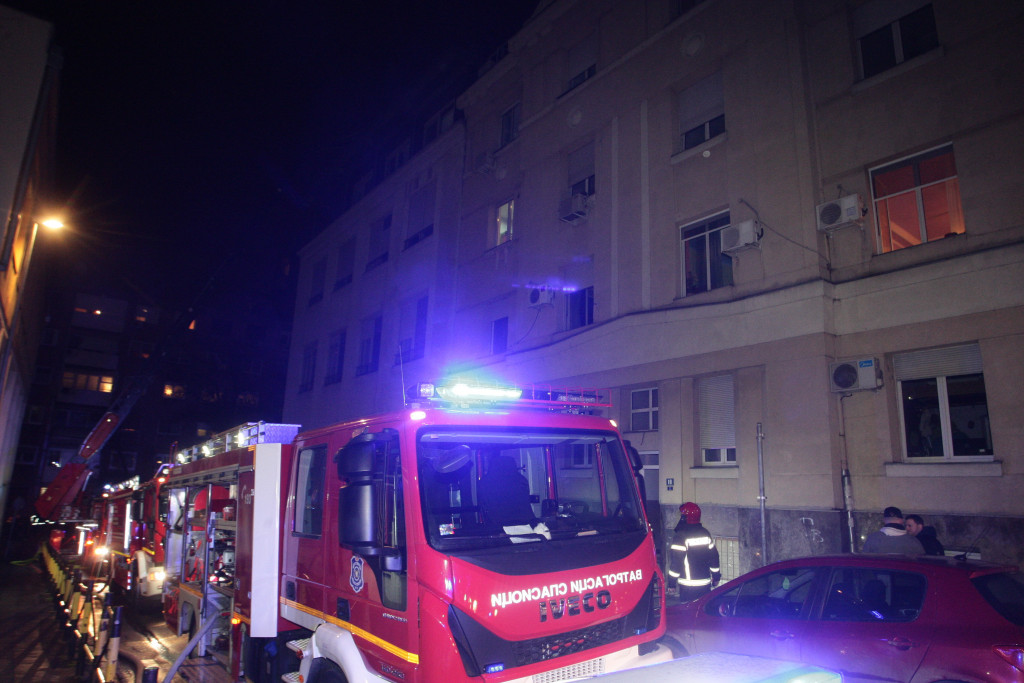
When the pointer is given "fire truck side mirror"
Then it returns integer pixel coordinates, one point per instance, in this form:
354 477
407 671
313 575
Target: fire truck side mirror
360 474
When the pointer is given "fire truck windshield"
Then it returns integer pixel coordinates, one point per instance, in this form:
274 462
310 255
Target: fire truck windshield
491 487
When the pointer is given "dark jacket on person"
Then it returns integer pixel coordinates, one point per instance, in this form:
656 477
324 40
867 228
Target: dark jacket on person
930 540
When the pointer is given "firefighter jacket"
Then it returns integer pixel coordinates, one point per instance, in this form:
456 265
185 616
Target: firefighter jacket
693 557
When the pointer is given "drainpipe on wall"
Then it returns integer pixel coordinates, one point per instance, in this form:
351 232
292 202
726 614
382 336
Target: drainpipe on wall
761 496
845 477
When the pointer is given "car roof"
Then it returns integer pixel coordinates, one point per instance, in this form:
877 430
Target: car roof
924 563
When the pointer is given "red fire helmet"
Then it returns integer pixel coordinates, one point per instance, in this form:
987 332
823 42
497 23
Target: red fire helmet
691 511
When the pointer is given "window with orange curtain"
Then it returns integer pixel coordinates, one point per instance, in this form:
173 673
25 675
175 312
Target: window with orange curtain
917 200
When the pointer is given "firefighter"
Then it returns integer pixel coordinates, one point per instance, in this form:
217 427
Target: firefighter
693 559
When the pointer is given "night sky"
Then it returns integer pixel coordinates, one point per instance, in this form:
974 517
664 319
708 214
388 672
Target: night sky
197 133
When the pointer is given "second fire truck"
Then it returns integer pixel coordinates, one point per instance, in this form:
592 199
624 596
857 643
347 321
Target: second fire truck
481 533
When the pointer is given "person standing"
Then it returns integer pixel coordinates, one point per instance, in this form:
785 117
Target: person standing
926 535
892 538
693 557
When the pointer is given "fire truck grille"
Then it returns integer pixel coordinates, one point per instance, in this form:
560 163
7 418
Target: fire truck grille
550 647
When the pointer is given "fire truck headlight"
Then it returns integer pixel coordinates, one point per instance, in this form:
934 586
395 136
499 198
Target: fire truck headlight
101 551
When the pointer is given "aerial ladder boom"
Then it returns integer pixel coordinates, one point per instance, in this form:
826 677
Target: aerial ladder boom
55 503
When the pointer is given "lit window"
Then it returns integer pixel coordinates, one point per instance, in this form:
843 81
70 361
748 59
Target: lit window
917 200
705 267
506 213
644 410
174 391
943 404
716 405
887 38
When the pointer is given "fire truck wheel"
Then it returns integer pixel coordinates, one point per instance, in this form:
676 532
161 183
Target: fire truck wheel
325 671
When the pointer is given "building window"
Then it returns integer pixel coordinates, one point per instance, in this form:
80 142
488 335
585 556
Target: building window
317 279
705 267
499 335
581 63
644 410
701 112
421 214
174 391
943 404
917 200
717 407
85 382
412 339
335 357
380 237
581 171
889 33
505 215
510 124
579 308
369 345
308 367
346 263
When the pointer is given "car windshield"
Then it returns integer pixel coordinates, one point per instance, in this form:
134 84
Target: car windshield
1005 592
493 487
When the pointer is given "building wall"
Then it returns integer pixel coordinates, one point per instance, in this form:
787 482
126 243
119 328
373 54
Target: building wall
801 128
27 118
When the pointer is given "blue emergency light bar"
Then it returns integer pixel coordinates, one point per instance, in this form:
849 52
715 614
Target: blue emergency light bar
536 396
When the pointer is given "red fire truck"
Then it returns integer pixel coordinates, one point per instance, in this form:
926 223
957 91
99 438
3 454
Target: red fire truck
480 534
131 537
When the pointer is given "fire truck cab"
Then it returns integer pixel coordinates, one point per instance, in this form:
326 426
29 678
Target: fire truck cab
478 534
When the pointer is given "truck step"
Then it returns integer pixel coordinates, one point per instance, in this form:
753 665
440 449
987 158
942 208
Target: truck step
293 677
300 647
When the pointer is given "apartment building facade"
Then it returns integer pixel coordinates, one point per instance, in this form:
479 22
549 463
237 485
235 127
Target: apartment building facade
786 235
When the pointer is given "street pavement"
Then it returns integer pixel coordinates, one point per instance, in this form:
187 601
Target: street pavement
32 644
35 647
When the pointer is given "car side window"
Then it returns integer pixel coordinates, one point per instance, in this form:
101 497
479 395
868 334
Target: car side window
782 594
868 594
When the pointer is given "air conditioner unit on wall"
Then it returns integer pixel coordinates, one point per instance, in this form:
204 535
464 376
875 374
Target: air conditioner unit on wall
840 212
859 374
575 207
739 235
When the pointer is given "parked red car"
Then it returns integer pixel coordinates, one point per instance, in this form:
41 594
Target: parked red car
870 617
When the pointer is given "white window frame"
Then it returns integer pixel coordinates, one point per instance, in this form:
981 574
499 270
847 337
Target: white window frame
651 411
876 16
938 364
582 297
702 106
709 242
716 408
505 217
